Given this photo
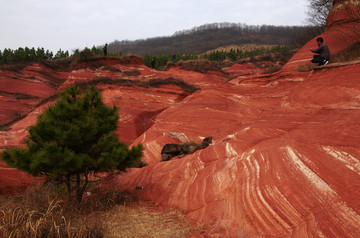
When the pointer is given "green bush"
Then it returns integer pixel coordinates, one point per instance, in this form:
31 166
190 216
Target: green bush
27 55
221 55
164 59
72 139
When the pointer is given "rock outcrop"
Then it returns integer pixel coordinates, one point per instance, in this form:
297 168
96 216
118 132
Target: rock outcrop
173 149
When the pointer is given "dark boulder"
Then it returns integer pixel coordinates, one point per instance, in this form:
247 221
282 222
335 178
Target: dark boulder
172 150
205 142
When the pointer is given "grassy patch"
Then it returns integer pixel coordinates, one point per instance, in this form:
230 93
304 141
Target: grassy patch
111 69
13 67
155 83
22 96
305 67
272 69
61 64
152 83
43 212
351 53
95 65
202 65
131 73
145 220
89 60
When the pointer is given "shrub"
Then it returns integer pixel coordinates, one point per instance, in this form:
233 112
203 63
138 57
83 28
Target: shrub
111 69
73 139
273 69
201 66
154 83
131 73
85 55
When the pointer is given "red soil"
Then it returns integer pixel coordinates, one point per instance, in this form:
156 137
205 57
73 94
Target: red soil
284 161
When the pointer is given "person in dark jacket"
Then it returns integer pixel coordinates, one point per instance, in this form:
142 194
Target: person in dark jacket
105 50
153 63
322 53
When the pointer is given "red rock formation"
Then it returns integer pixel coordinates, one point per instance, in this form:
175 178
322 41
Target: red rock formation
22 90
343 12
285 158
284 162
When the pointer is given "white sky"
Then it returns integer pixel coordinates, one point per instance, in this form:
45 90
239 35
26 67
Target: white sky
72 24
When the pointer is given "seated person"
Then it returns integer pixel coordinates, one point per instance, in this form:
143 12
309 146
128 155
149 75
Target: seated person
322 53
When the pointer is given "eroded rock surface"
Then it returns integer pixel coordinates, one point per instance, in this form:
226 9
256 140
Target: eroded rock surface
285 156
284 161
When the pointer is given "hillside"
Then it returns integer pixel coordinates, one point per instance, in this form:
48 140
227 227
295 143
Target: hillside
285 154
210 36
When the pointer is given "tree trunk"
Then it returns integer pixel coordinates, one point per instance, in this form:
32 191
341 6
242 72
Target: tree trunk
79 190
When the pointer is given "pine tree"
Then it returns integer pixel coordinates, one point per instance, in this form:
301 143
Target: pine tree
73 139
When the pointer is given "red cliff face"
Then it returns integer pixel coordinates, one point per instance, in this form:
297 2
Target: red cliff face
285 157
344 11
23 90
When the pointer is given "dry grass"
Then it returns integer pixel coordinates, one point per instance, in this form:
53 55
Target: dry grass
152 83
13 67
41 212
243 47
351 53
111 69
144 220
61 65
131 73
272 69
202 65
306 67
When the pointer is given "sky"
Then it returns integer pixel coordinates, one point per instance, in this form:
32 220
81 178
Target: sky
75 24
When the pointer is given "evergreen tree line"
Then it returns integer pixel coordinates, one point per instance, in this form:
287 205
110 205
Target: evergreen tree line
26 55
238 54
29 55
217 55
163 59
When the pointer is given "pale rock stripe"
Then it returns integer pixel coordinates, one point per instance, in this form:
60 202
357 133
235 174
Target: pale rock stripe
340 209
350 161
312 177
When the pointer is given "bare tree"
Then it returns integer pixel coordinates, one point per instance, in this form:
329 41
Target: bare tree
318 10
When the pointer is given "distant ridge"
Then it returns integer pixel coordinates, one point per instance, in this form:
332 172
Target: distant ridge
211 36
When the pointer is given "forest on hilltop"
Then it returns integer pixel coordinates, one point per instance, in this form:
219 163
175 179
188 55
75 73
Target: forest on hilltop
211 36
